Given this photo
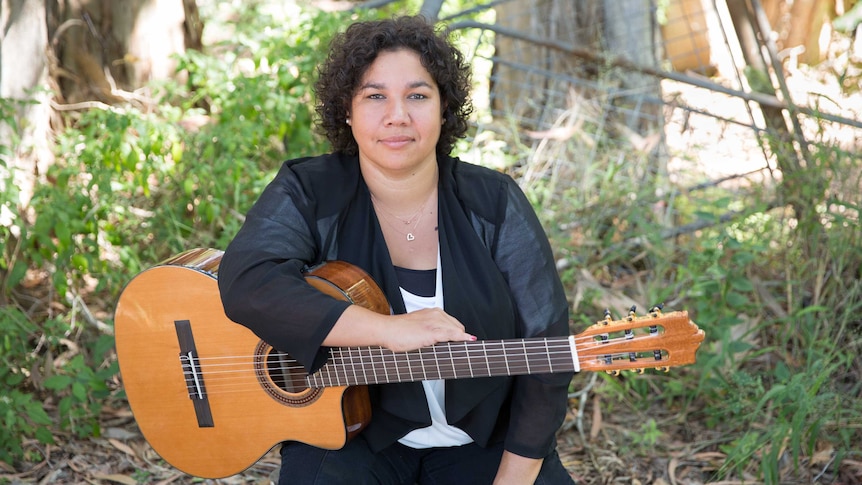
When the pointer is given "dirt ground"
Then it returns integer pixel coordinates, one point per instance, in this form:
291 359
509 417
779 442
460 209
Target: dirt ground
684 453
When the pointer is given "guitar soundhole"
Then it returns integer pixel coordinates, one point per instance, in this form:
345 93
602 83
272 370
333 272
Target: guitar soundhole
282 377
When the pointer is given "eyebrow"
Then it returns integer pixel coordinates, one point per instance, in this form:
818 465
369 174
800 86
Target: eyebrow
413 85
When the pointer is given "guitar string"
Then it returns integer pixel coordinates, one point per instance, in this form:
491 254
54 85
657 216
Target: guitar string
455 348
563 354
213 386
248 384
473 345
469 347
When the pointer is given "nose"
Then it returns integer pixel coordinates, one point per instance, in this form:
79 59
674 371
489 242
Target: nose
397 113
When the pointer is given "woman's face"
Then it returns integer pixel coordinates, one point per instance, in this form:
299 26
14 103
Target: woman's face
395 114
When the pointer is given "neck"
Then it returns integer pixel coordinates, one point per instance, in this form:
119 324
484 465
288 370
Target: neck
402 193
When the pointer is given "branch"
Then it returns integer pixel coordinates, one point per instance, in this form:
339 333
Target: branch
589 55
673 232
375 4
431 9
82 105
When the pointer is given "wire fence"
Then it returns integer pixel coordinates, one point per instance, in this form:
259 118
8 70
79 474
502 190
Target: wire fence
664 88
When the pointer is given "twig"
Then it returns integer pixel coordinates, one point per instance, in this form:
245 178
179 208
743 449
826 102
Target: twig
825 468
78 304
81 105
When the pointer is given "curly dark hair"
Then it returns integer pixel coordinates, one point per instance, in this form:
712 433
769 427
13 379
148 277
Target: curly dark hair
352 53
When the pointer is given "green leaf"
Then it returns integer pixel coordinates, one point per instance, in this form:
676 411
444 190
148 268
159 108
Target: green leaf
37 413
79 391
44 436
58 382
735 300
741 283
19 270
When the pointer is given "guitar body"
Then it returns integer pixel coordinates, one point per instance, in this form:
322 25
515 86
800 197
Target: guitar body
237 424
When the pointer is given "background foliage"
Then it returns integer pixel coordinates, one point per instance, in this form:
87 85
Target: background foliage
777 291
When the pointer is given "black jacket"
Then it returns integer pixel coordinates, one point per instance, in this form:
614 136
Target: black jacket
499 280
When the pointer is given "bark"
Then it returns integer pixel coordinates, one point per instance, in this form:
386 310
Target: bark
70 51
759 80
106 49
530 73
631 33
23 83
431 9
547 86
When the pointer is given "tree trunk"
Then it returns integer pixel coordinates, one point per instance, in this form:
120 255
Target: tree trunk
526 74
106 49
75 51
558 74
631 33
757 73
23 77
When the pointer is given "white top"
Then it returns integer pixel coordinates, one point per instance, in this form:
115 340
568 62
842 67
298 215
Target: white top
440 433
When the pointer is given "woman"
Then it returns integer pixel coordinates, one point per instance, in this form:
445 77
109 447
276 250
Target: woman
456 248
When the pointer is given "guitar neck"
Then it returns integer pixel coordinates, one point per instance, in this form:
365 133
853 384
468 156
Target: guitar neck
350 366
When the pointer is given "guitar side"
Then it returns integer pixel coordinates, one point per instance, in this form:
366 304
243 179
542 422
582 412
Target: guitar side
231 426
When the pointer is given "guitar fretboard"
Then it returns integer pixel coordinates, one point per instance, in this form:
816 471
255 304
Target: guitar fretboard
349 366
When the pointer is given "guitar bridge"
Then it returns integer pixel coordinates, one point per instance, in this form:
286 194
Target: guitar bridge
192 372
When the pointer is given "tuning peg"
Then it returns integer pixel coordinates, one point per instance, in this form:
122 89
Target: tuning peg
641 370
615 372
656 309
607 320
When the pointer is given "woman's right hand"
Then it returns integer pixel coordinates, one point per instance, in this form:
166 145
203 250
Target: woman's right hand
359 327
422 328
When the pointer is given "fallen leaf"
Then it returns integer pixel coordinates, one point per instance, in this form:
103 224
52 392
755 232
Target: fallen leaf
122 447
117 478
597 418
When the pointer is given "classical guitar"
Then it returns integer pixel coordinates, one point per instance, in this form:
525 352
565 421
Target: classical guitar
211 398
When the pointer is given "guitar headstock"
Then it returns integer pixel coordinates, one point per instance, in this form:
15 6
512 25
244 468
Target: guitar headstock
654 340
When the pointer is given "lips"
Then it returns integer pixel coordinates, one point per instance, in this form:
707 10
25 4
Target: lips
396 141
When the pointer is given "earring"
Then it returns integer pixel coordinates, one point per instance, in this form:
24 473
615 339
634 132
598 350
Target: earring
347 121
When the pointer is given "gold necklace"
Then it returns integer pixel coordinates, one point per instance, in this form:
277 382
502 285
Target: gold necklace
417 215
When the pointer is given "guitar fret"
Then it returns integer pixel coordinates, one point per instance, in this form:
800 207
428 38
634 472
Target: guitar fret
485 353
395 364
364 370
410 358
312 380
497 359
353 366
437 363
332 372
452 359
327 369
383 362
422 365
506 359
345 370
526 359
469 359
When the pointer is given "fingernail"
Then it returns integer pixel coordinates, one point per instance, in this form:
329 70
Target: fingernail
473 338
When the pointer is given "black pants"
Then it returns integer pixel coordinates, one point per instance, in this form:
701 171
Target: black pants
470 464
